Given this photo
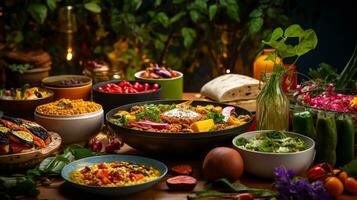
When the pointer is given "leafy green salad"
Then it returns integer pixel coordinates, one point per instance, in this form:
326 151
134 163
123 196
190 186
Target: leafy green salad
273 142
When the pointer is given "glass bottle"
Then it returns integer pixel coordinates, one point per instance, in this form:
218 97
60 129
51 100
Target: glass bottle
272 107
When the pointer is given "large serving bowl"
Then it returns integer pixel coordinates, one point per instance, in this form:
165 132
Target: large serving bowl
123 190
176 143
77 128
172 88
24 108
113 100
81 90
262 164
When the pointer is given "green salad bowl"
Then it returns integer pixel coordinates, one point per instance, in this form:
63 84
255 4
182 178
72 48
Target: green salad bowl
263 164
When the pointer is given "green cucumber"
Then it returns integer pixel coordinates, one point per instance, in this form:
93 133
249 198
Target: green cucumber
303 123
326 138
345 139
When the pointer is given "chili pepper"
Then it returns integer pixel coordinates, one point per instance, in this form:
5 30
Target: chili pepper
319 172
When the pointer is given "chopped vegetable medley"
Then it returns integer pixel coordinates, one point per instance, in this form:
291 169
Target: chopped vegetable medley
182 117
114 174
274 142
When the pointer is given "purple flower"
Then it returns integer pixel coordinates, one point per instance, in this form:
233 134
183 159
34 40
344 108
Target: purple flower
295 188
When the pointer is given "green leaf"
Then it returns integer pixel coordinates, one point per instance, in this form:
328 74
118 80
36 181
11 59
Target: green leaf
136 4
271 57
277 34
51 4
194 15
115 20
188 35
157 3
159 45
93 7
38 12
256 13
162 18
233 10
307 42
294 31
212 11
201 5
255 25
178 1
177 17
18 37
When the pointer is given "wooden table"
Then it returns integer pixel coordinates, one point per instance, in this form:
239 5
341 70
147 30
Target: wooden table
60 190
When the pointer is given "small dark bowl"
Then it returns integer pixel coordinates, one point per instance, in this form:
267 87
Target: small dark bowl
24 108
113 100
186 144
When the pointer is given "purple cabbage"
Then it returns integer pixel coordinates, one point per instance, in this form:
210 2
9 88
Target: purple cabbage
146 124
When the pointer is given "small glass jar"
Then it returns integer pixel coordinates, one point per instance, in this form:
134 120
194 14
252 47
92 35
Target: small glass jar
272 107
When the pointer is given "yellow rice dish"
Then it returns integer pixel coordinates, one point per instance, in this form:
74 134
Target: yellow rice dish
114 174
67 107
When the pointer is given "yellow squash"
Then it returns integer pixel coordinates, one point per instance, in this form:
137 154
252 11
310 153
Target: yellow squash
204 125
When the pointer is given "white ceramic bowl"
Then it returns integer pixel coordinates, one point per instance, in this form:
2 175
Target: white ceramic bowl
262 164
73 129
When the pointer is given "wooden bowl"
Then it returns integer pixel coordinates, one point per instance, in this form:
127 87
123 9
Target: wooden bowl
73 91
30 158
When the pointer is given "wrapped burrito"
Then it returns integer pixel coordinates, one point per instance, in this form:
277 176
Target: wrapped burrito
231 87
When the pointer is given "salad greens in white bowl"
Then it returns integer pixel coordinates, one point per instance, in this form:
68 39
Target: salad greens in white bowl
264 150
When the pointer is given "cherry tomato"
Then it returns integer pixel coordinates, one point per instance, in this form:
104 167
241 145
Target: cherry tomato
245 196
351 185
155 86
146 86
333 186
124 83
139 87
132 90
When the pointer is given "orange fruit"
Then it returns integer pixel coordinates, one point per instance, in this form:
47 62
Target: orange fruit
333 186
351 185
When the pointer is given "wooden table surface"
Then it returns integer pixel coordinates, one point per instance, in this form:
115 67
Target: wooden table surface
60 190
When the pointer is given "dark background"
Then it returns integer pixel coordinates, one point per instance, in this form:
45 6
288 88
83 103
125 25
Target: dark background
335 25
